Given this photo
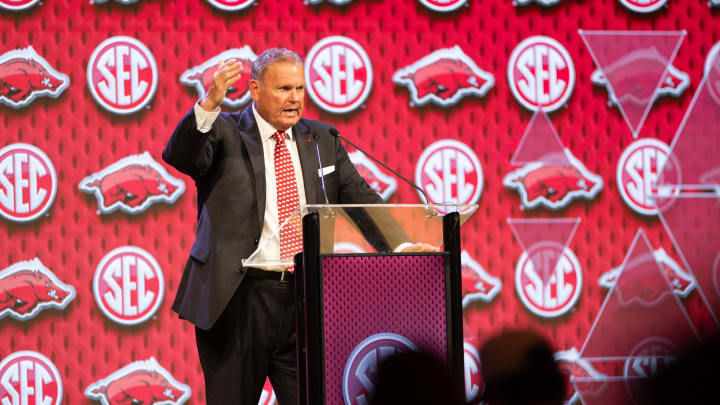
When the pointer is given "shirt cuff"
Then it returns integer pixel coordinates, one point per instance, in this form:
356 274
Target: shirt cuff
205 119
400 247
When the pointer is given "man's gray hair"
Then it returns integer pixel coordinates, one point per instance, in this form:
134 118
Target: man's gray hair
270 56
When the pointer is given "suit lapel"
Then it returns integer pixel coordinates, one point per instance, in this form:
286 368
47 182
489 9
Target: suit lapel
308 161
250 134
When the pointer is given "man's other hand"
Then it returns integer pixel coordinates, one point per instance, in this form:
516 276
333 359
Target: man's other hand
227 74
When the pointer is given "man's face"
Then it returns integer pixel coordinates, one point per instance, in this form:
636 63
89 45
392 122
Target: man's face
280 98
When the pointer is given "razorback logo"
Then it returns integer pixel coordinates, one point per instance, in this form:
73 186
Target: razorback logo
28 377
132 184
444 77
572 366
231 5
553 186
28 287
477 284
128 285
643 6
380 182
681 281
142 382
443 6
546 3
25 76
633 69
16 5
201 76
122 75
541 74
28 182
638 171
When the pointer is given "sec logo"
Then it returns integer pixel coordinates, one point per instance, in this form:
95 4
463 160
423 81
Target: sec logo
231 5
122 75
16 5
649 357
449 172
443 6
555 294
128 285
28 377
541 74
28 182
474 385
338 74
643 6
637 173
361 368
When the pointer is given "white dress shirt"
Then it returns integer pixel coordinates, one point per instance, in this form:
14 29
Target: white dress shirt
269 246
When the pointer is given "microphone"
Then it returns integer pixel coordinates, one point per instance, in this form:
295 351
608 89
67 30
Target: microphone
334 132
320 173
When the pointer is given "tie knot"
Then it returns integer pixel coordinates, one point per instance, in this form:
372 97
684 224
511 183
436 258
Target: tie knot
279 136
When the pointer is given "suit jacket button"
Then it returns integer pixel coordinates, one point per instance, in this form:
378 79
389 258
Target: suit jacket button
256 241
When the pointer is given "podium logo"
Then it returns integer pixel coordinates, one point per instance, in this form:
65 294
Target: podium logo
338 74
361 368
28 287
128 285
25 76
231 5
643 6
201 76
544 291
122 75
449 172
443 6
141 382
28 182
541 74
477 284
28 377
132 185
474 384
16 5
637 173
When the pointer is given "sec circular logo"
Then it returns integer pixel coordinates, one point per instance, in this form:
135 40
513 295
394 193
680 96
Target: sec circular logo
449 172
361 368
122 75
28 377
15 5
231 5
712 66
541 74
28 182
643 6
338 74
128 285
649 357
443 5
474 385
637 173
546 292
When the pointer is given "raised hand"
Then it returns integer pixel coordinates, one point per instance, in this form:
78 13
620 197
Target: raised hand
228 73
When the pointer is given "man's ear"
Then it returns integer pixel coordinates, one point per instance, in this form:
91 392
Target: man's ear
254 89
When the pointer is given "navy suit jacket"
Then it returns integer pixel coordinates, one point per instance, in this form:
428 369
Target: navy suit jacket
228 167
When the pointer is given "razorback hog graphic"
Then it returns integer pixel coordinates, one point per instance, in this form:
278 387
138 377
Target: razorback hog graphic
553 186
142 382
201 76
380 182
681 281
570 364
132 184
477 284
633 69
444 77
25 76
28 287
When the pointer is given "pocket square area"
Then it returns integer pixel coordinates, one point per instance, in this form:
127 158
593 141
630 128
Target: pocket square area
326 170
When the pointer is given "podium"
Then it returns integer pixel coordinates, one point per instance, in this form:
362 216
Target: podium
359 301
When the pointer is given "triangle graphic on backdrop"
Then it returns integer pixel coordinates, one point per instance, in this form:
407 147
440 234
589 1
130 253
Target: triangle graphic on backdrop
535 233
695 150
634 64
640 310
540 143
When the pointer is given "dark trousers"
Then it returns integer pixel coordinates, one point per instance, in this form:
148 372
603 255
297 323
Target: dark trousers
253 339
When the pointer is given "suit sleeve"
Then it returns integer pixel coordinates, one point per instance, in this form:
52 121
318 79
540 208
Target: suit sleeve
189 150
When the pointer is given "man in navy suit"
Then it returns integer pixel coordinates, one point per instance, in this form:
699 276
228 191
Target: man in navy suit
245 317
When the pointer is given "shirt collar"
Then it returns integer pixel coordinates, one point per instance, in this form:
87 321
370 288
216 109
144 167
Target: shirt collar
267 130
